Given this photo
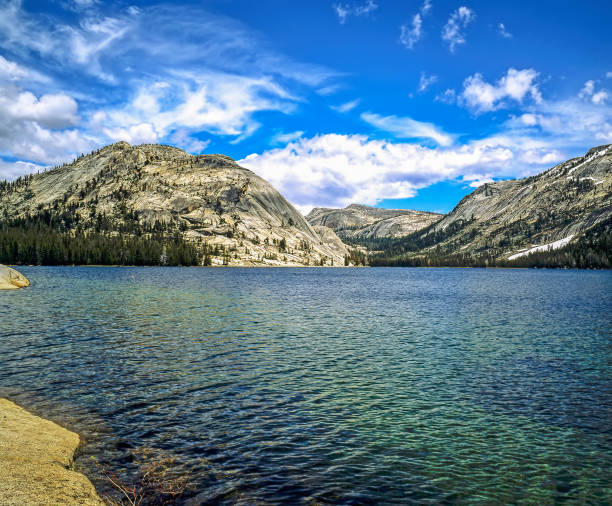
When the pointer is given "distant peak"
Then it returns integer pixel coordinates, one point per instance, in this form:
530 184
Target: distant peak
359 206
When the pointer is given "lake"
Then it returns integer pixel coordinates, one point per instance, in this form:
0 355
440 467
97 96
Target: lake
333 386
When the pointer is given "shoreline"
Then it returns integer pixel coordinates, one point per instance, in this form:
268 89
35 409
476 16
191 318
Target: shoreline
37 462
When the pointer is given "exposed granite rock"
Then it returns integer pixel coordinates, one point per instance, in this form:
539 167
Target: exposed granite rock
36 458
364 222
10 279
549 210
205 198
328 236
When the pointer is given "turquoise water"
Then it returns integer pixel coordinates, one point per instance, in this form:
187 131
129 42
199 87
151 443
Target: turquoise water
350 386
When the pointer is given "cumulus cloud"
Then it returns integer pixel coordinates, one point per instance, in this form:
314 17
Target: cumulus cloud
344 11
408 128
453 32
501 28
588 92
481 96
160 73
336 170
35 128
426 81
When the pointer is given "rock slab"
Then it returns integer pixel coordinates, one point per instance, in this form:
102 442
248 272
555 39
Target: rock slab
10 279
36 458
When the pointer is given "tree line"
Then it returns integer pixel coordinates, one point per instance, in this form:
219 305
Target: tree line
32 241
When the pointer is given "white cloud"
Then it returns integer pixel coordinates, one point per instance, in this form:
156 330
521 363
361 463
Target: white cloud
82 4
408 128
588 92
184 73
566 125
588 89
480 181
39 128
426 81
149 40
609 75
411 34
12 170
141 133
481 96
453 31
448 96
51 111
427 5
12 71
285 138
600 97
343 11
183 140
503 31
335 170
347 106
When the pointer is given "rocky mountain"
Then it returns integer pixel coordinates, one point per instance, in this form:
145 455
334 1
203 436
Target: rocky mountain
508 220
226 212
365 222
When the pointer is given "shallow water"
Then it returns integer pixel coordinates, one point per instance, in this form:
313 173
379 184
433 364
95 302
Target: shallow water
327 385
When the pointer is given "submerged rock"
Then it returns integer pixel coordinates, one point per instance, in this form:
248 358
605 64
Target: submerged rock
10 279
36 458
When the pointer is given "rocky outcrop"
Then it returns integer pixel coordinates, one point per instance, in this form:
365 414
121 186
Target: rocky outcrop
207 199
546 211
36 458
365 222
10 279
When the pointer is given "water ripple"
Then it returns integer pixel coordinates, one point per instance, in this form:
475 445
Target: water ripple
327 386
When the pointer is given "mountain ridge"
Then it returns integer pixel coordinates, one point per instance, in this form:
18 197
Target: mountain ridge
228 212
360 221
503 221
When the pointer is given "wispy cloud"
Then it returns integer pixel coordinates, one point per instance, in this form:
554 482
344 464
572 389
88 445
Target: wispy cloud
346 10
453 32
147 74
408 128
501 28
411 33
426 81
448 96
285 138
13 71
347 106
334 170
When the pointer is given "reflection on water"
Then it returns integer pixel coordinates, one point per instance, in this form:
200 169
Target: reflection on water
327 385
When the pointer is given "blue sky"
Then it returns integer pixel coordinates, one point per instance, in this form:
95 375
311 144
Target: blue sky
406 104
